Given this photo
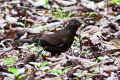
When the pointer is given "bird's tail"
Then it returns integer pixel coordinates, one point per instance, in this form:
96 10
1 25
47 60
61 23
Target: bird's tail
24 40
33 40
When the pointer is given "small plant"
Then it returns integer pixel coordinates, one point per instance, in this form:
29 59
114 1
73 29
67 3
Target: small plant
34 49
90 14
101 58
118 17
76 43
42 66
117 53
35 64
10 60
1 30
115 1
76 38
81 37
15 73
60 72
21 24
46 4
80 75
60 14
88 78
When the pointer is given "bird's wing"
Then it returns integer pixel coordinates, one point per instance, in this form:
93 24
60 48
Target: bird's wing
52 40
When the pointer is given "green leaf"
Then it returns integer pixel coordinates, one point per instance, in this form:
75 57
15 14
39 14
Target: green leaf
85 72
56 71
31 45
35 64
20 71
21 24
34 49
21 76
15 71
90 14
78 75
1 30
40 48
76 38
45 68
60 13
82 37
118 17
45 28
88 78
44 64
46 2
102 58
115 1
118 53
10 60
67 69
12 76
60 72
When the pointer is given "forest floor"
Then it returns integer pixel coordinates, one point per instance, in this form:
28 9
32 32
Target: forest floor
94 54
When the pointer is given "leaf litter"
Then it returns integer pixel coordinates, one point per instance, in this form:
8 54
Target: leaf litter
94 54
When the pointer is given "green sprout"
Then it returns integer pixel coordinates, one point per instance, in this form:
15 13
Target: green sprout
60 14
10 60
76 38
15 73
101 58
118 17
80 75
1 30
21 24
115 1
90 14
60 72
118 53
42 66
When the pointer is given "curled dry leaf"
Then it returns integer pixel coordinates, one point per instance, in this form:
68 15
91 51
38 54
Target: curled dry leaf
110 68
85 63
79 8
95 41
53 78
66 3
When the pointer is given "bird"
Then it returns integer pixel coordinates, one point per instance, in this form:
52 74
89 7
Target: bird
60 41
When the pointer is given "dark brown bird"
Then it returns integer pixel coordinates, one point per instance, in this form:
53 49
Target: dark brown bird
57 42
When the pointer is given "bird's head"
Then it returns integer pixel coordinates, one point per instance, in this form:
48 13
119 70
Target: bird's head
76 22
